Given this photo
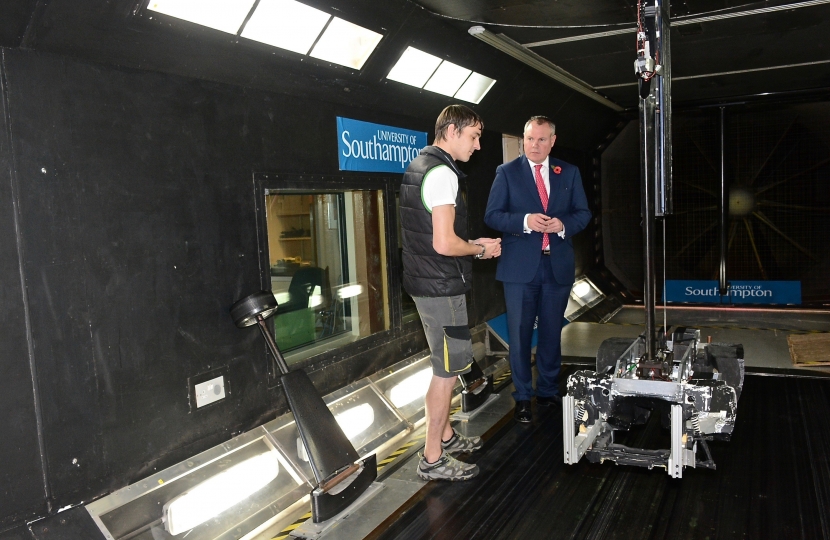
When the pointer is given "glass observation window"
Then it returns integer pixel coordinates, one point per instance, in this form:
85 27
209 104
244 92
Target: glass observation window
327 255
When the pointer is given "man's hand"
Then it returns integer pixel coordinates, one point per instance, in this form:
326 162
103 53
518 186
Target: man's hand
445 242
544 224
492 247
538 222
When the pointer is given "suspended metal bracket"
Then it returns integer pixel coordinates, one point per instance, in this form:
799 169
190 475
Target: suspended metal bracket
540 64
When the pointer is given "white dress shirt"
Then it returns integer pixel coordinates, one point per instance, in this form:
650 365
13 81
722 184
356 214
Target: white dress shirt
545 172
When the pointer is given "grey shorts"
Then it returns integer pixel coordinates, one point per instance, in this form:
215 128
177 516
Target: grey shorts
445 325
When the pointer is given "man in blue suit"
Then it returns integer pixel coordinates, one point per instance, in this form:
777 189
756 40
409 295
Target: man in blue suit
538 203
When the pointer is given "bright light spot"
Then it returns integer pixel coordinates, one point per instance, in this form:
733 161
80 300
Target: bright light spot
316 297
301 451
412 388
350 291
354 421
582 289
219 492
741 201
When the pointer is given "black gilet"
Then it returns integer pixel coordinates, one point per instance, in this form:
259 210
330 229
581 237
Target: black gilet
425 271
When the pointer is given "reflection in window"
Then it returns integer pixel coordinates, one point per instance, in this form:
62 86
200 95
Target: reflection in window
327 257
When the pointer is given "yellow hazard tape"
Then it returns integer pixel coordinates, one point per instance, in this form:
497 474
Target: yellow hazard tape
502 377
283 534
397 453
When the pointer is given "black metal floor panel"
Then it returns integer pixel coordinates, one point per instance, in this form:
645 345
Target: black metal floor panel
772 481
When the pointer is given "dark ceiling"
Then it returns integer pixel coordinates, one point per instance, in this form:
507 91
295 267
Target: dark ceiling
722 50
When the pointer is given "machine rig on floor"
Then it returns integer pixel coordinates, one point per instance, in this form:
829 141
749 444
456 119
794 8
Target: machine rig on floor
694 386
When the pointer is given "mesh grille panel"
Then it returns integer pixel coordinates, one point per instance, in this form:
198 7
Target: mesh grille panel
777 168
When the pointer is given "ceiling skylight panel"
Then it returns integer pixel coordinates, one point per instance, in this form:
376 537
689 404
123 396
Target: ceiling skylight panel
286 24
447 79
475 88
224 15
346 44
414 68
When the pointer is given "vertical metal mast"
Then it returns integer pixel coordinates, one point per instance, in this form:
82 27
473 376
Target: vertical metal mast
653 64
647 153
724 205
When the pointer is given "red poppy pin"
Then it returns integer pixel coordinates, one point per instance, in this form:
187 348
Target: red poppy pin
557 169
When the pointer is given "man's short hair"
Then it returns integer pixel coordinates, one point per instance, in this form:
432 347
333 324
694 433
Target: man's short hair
460 115
539 120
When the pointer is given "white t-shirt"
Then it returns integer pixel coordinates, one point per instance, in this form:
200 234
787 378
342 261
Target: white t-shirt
439 187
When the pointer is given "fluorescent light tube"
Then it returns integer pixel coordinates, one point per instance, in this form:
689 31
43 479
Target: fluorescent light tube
286 24
414 67
224 15
475 88
346 44
540 64
447 79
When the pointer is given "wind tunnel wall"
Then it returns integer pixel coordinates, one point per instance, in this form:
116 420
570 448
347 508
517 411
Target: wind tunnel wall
777 172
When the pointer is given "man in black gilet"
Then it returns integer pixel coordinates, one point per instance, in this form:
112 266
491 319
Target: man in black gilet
437 272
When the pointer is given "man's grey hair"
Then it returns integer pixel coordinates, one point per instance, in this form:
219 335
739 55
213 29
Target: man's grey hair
539 120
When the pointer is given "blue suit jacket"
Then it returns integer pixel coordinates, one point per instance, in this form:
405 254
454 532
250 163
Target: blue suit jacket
513 195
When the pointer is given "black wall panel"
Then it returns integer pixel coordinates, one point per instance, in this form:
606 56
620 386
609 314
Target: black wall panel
21 474
621 224
19 532
138 234
583 242
138 231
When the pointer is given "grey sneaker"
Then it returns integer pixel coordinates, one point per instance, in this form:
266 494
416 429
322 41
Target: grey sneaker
446 468
460 444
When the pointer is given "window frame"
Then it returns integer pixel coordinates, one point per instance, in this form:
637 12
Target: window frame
295 184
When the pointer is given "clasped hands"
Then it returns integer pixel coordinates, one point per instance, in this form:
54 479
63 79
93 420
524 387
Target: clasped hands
544 224
492 247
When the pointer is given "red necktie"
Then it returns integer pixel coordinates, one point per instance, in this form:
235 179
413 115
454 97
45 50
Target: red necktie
543 194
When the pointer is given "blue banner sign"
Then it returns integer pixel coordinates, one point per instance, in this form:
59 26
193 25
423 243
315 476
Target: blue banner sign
367 147
738 292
